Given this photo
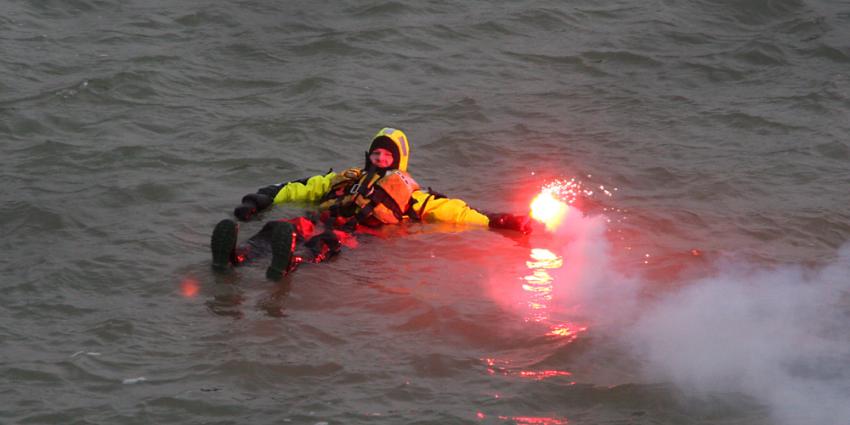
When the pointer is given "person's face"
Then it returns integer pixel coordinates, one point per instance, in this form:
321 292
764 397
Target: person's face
381 158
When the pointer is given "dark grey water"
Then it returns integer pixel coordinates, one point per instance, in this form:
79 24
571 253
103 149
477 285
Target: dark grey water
129 128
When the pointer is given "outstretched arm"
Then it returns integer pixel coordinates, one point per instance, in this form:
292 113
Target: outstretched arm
435 207
305 190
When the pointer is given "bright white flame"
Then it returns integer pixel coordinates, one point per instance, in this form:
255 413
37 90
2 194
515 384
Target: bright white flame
548 210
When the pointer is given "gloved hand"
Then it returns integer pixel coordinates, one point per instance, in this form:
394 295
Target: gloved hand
251 203
244 212
519 223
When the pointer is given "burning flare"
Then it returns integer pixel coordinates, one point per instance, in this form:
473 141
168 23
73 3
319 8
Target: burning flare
548 209
553 202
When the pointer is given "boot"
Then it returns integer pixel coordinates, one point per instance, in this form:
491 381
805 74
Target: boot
283 246
223 244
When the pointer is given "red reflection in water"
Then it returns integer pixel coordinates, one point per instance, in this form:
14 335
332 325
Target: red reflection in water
502 367
539 375
535 420
491 366
189 287
564 330
539 283
561 330
528 420
539 306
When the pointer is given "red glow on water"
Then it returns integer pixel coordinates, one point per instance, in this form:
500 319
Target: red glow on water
502 367
566 329
539 284
189 287
568 332
346 239
560 330
480 415
535 420
542 258
539 375
493 368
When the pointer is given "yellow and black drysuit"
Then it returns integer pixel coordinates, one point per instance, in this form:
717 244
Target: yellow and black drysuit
357 196
370 196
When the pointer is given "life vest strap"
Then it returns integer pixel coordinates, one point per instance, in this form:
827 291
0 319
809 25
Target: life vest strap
411 212
380 197
424 204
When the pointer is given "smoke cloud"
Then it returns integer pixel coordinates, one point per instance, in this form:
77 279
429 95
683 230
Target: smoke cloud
779 335
588 281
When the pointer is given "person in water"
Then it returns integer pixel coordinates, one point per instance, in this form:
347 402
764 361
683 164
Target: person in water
380 193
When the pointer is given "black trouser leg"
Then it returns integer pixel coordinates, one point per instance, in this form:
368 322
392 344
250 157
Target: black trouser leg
259 245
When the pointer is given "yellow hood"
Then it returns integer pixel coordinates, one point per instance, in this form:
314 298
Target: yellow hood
397 141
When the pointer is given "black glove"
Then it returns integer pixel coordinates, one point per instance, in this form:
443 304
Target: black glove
244 212
519 223
251 203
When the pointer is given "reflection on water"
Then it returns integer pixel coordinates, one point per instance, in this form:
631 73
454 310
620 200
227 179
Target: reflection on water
503 367
227 300
228 296
539 286
535 420
189 287
538 307
539 283
527 420
539 375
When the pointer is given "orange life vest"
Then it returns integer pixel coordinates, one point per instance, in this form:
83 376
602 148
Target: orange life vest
384 199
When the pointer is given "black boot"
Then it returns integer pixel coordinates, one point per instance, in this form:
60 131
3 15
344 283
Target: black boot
283 245
324 246
223 244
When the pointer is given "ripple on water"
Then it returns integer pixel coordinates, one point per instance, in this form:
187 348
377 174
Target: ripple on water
837 150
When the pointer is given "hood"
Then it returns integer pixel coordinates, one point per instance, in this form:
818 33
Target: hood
396 142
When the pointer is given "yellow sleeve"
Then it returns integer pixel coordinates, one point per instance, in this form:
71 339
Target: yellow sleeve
316 187
446 210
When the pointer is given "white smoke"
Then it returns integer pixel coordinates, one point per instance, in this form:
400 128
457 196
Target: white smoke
781 336
588 279
778 335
